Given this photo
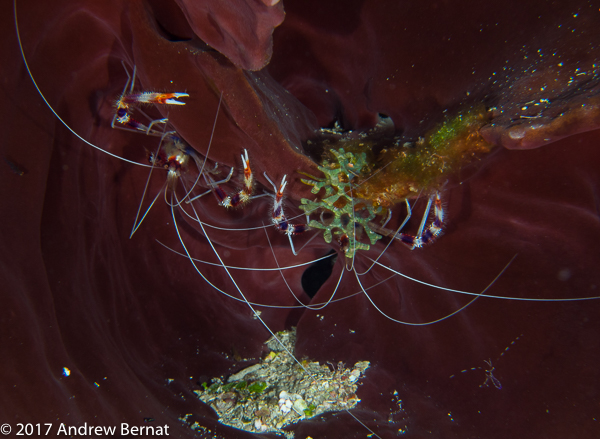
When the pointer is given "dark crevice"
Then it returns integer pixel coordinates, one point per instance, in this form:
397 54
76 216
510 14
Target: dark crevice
170 20
317 274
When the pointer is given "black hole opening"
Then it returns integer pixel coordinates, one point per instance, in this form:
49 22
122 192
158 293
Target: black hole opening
171 23
317 274
168 35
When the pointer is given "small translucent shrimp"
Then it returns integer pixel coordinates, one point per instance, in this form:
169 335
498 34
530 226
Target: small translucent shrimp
174 156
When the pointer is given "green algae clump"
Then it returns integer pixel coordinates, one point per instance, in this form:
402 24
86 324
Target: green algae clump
365 176
341 176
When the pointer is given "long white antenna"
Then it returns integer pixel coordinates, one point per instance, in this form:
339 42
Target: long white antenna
50 106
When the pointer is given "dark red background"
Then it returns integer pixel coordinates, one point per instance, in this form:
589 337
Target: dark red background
128 314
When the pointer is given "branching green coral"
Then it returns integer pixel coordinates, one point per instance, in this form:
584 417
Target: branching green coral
340 177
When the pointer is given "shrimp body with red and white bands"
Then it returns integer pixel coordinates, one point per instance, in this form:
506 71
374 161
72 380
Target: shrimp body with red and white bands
431 233
240 197
278 216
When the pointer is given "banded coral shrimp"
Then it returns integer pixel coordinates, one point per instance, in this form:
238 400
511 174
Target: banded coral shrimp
401 344
324 315
77 196
172 206
74 299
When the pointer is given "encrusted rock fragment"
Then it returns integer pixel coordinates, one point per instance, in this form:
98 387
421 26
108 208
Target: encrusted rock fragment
279 391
